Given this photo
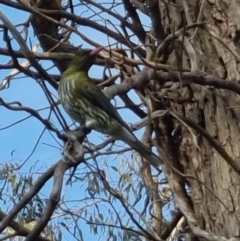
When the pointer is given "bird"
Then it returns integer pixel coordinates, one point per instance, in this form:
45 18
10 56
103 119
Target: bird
85 103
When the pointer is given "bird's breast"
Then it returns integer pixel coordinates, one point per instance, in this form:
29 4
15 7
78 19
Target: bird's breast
81 109
71 103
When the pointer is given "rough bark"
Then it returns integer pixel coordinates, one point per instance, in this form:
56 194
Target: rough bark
214 193
199 132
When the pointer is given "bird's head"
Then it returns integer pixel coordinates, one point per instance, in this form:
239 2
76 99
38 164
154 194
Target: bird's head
84 59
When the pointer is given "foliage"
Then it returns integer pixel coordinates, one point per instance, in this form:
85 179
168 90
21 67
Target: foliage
66 183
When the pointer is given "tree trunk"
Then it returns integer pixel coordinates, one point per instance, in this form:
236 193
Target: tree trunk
195 44
213 192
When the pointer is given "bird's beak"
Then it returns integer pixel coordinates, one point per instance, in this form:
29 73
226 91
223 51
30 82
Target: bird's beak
96 50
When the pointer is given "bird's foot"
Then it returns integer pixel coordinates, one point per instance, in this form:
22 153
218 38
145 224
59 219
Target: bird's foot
78 134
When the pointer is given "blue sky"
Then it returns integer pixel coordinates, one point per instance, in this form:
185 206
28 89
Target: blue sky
29 93
17 142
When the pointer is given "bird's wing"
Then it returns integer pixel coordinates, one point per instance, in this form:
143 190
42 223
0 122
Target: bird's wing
95 96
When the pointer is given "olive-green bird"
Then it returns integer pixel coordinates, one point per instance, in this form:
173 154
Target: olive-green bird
84 101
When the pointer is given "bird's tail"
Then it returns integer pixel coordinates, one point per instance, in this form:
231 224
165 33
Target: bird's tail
138 146
146 153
